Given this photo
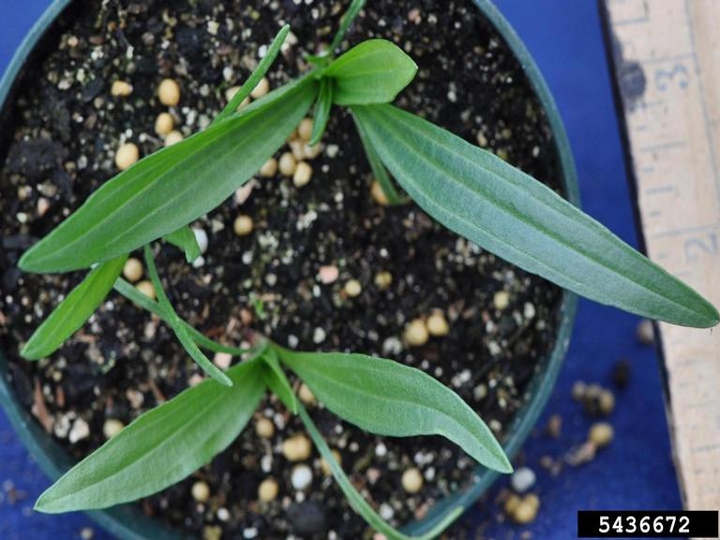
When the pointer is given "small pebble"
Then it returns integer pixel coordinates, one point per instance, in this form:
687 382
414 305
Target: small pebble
325 466
522 479
526 511
501 300
416 333
112 427
121 89
126 156
307 519
164 124
169 92
437 325
412 480
146 287
511 504
645 332
306 395
268 490
80 430
200 491
265 428
269 168
311 152
621 374
554 426
262 88
297 448
606 402
223 514
305 129
601 434
301 477
133 270
383 280
328 274
201 238
222 360
243 225
582 454
302 175
87 533
353 288
287 164
378 194
212 532
173 137
579 390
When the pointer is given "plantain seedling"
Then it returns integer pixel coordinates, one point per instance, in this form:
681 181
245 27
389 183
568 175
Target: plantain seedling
466 189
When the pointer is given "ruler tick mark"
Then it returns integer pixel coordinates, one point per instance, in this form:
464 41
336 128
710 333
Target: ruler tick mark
662 146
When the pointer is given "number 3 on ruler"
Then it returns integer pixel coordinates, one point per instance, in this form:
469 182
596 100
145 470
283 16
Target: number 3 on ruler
678 76
696 247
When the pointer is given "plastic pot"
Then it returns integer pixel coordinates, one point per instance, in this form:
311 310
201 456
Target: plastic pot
128 522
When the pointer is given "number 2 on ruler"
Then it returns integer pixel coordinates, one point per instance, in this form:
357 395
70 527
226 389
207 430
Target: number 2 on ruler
697 247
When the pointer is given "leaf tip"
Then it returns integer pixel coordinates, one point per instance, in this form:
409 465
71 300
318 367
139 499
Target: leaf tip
29 351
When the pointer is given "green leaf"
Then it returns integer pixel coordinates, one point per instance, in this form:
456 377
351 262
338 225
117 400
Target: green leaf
184 238
179 326
379 170
256 76
72 312
347 20
135 296
373 72
277 381
356 500
387 398
507 212
161 447
323 107
174 186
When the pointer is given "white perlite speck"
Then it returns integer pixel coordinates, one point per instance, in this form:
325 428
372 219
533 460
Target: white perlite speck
80 430
301 477
522 479
202 239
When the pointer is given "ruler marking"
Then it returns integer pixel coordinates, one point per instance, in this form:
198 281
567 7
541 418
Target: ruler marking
689 230
703 101
633 21
662 146
666 59
657 190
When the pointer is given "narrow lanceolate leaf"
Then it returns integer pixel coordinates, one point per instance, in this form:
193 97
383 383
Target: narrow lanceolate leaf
72 312
379 170
161 447
356 500
174 186
347 21
256 76
323 106
373 72
179 327
185 239
277 381
481 197
387 398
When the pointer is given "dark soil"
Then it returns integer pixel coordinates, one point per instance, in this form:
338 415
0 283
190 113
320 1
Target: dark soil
67 128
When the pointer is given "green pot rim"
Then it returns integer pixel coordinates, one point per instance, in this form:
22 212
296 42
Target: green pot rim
127 521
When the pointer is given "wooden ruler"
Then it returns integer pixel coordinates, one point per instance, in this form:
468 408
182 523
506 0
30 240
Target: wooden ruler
666 56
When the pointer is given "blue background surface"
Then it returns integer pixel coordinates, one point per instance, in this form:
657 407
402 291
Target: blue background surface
636 470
